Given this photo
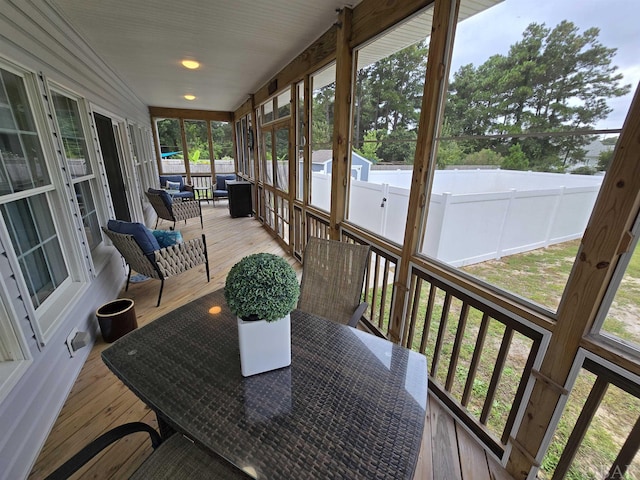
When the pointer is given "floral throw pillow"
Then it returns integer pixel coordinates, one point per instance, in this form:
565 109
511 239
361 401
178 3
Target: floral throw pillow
173 185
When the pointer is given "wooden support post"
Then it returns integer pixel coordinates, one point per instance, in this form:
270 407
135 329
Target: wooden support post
254 155
156 144
341 124
608 228
306 164
435 84
293 164
212 157
185 150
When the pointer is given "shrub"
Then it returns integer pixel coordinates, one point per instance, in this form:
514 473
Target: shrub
261 286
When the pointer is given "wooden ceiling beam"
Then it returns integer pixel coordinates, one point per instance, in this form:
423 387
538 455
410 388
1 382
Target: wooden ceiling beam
188 114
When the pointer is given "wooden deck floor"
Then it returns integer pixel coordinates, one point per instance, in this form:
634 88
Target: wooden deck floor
99 401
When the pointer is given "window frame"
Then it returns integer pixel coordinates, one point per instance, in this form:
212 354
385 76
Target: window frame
597 332
95 255
48 317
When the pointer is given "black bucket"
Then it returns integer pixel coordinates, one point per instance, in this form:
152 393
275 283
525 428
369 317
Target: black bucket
116 319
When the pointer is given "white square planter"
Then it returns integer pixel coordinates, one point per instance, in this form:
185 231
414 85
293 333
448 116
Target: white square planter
264 345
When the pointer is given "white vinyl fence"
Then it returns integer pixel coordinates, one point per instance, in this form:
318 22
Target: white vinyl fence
474 215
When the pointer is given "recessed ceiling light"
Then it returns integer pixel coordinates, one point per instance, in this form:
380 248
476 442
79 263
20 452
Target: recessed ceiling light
191 64
190 97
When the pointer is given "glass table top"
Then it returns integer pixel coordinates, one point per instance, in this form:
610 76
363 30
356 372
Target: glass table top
351 405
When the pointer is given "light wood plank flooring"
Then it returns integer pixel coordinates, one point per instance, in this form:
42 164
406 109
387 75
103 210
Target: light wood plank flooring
99 401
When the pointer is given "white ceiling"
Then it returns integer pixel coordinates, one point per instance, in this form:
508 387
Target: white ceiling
241 44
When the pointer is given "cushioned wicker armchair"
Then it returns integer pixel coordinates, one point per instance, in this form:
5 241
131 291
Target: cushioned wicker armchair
142 253
176 182
332 278
219 189
167 209
174 458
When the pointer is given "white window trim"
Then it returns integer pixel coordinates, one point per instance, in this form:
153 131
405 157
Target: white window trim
607 300
13 339
69 291
127 166
94 258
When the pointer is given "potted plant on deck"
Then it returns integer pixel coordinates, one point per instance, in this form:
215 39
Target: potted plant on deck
261 290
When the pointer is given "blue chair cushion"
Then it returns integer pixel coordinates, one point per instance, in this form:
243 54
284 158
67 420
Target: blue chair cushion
183 194
141 234
166 198
221 181
171 178
166 238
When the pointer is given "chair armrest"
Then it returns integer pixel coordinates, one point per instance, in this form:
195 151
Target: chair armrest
103 441
185 210
357 315
187 187
181 257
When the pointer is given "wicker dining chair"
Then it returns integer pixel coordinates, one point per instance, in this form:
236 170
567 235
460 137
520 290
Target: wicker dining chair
332 278
172 459
167 209
163 262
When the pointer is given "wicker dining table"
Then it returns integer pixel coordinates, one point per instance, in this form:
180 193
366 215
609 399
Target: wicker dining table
351 405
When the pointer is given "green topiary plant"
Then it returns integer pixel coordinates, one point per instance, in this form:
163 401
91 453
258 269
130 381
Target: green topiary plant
261 286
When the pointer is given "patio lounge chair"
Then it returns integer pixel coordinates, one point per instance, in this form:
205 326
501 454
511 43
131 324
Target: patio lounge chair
167 209
142 253
332 279
185 191
174 458
219 189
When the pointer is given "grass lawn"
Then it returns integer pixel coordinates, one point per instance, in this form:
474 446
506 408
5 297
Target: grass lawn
541 276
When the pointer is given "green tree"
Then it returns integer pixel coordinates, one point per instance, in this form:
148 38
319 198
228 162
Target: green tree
516 160
322 115
552 80
449 153
370 146
486 156
222 140
169 135
388 99
399 146
604 159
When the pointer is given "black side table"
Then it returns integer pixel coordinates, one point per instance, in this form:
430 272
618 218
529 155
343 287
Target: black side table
240 198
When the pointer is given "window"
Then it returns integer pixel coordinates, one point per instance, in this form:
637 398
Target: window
323 90
78 161
170 139
198 149
390 73
222 139
519 163
37 245
23 164
274 162
29 204
617 321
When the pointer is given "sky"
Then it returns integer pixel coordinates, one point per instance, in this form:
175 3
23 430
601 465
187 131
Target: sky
494 30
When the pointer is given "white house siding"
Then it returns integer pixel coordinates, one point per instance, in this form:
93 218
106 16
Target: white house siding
35 37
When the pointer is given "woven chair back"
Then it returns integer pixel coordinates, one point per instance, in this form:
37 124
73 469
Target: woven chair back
159 206
132 253
332 278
